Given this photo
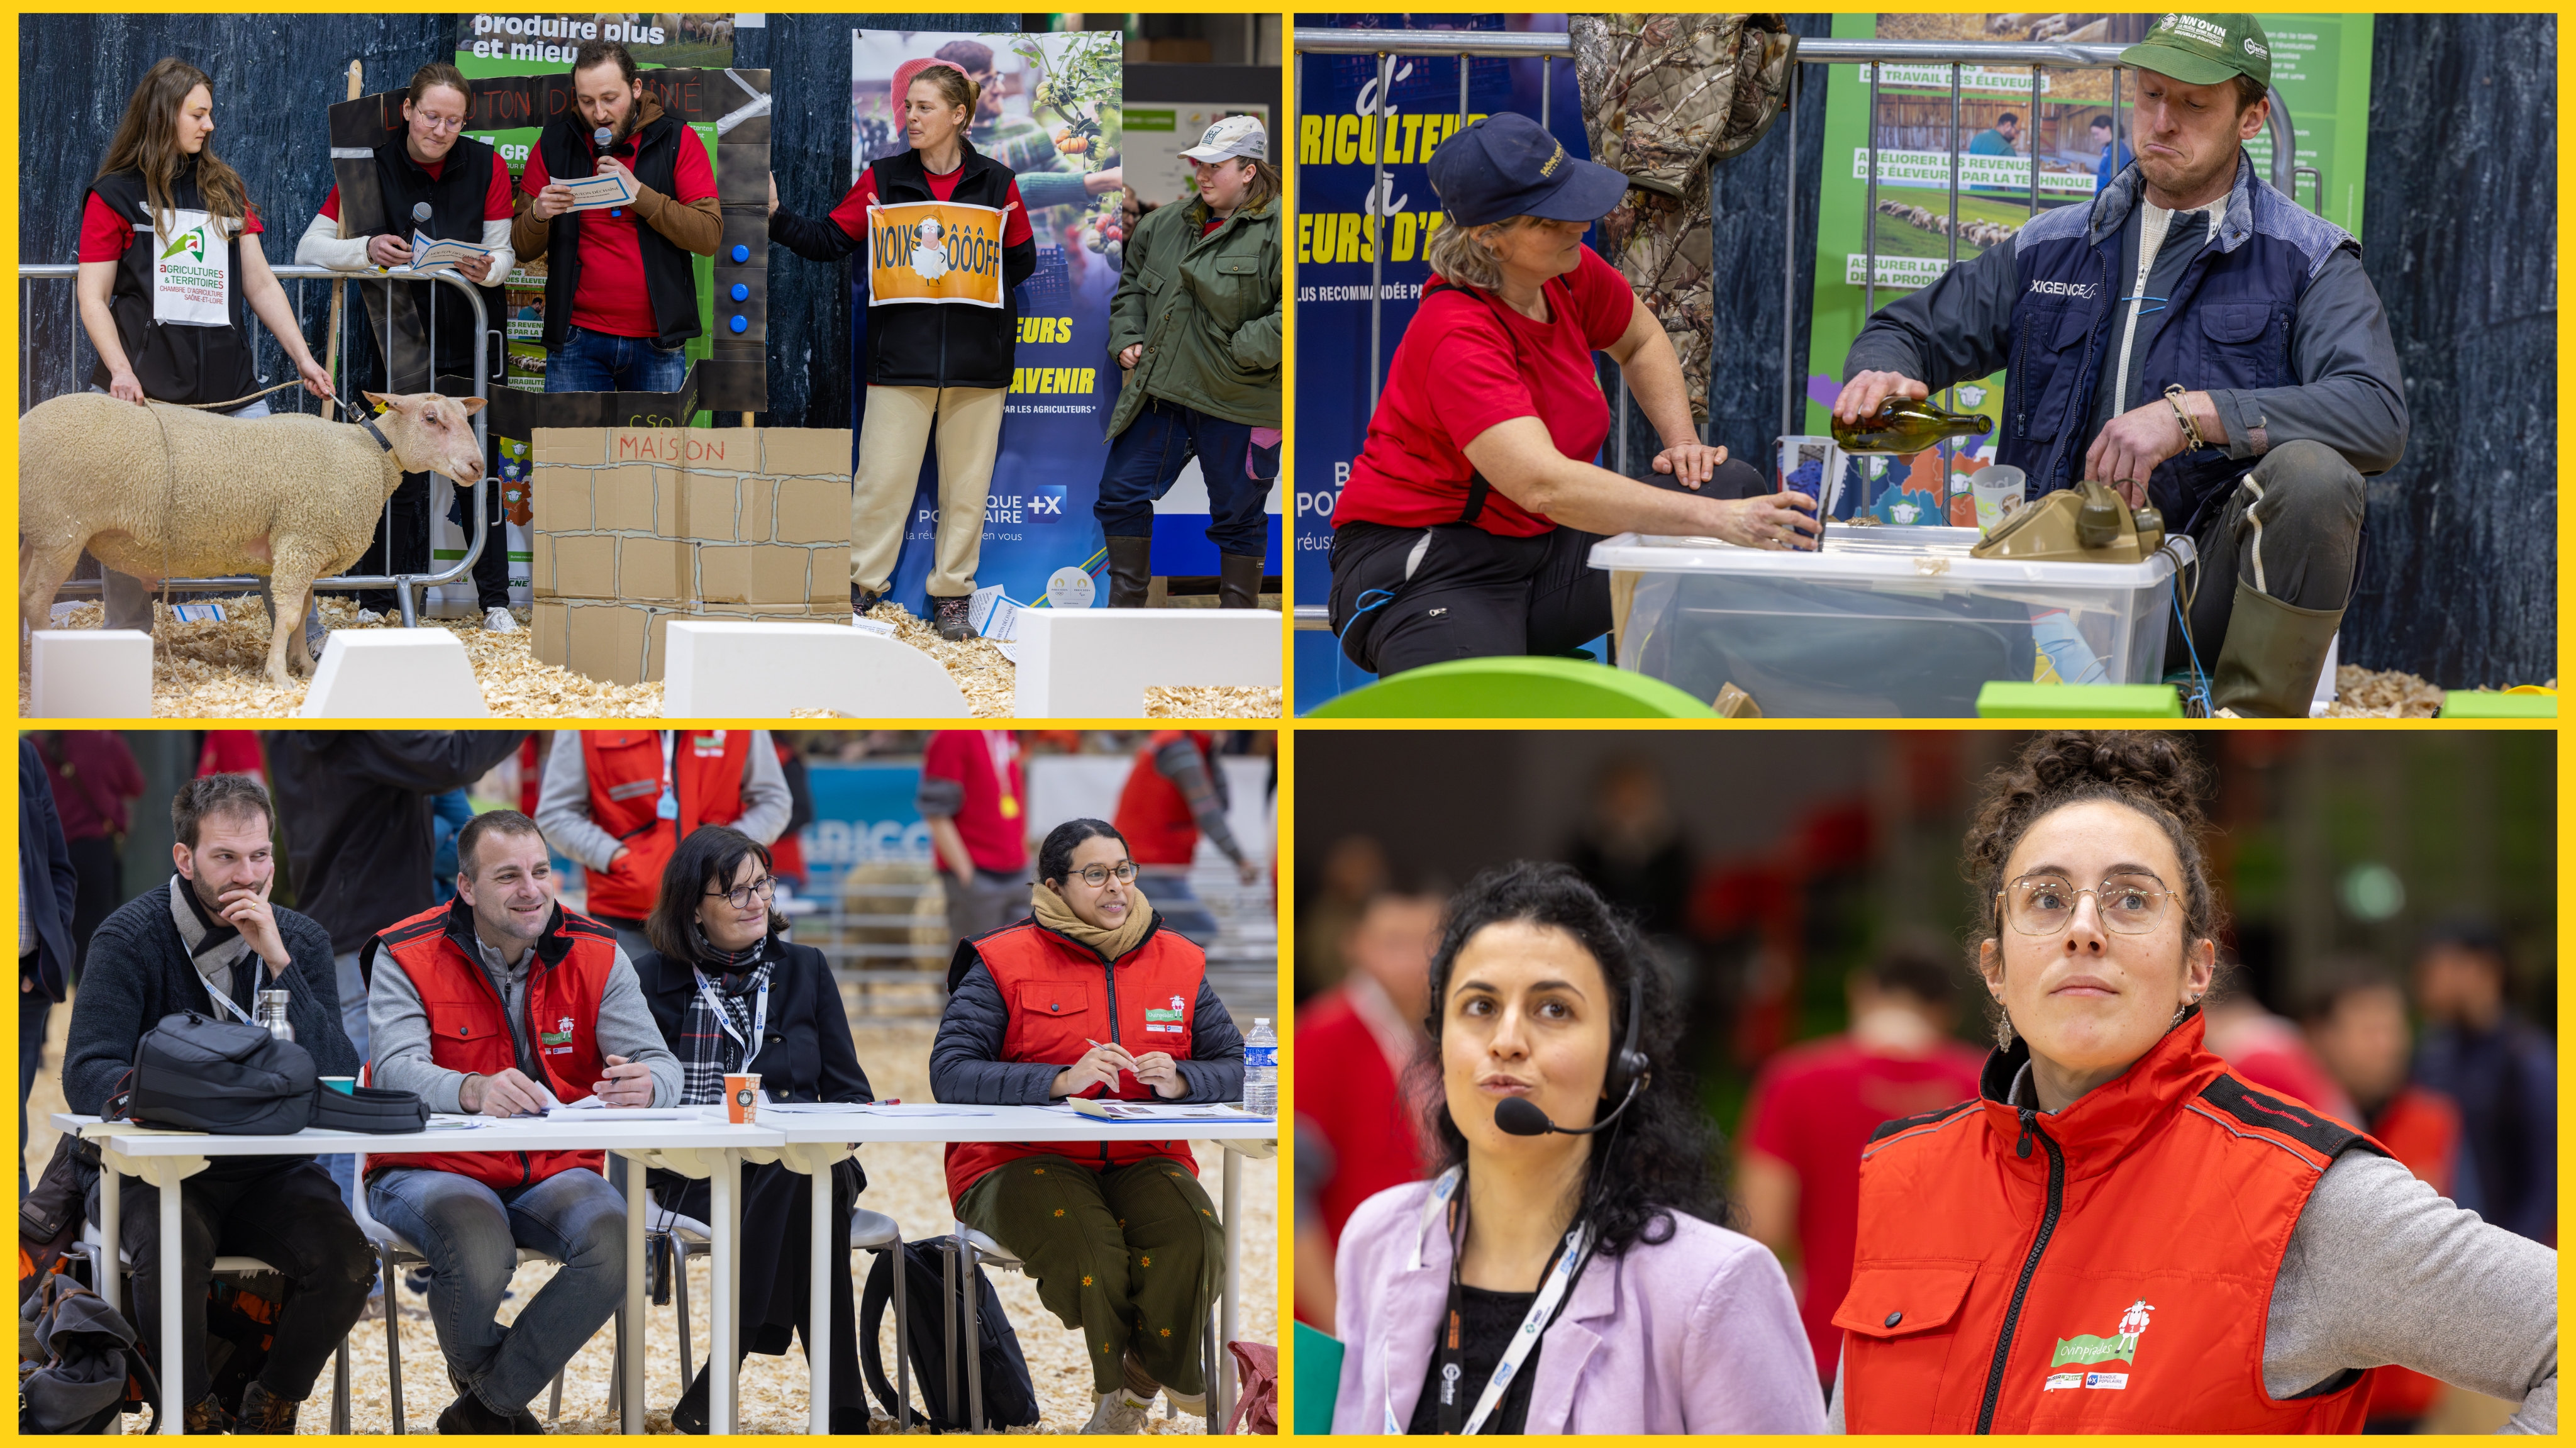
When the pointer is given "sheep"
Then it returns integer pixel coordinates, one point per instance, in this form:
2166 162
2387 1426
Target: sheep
162 491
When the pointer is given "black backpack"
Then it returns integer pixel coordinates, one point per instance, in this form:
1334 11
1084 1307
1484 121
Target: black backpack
78 1362
1010 1398
232 1078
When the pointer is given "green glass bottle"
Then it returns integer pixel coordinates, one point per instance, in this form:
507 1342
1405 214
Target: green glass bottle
1904 425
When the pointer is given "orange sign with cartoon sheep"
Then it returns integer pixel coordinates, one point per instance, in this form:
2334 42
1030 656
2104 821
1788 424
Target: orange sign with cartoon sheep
935 251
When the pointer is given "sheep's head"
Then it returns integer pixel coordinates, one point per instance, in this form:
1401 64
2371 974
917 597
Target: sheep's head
432 433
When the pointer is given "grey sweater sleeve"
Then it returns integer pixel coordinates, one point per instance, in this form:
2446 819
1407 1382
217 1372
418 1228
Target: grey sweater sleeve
2347 396
563 805
626 1028
398 1037
1181 763
1958 328
2380 1269
766 805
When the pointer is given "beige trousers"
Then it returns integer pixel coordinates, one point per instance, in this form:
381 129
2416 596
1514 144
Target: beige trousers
891 440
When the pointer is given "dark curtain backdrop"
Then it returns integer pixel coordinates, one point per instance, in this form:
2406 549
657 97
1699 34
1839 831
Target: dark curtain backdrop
274 74
2461 582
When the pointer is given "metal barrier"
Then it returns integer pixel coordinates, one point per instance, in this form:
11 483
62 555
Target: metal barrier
1547 47
402 584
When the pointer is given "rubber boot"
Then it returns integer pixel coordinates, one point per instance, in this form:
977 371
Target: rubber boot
2268 667
1238 582
1131 571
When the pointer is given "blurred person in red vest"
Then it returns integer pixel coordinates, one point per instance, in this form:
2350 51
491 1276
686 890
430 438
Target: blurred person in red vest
974 795
96 782
232 751
1814 1106
1177 792
1355 1044
2357 1026
787 852
620 801
2269 1051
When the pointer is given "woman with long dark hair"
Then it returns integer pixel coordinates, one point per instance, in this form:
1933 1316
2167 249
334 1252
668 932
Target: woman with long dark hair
1091 996
170 269
1568 1270
731 994
2120 1234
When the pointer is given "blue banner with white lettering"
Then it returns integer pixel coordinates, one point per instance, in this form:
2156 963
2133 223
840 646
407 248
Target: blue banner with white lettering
1051 112
864 814
1338 140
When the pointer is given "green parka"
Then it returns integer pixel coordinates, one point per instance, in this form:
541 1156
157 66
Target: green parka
1208 311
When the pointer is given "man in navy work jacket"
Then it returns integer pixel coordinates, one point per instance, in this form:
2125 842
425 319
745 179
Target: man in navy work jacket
2195 339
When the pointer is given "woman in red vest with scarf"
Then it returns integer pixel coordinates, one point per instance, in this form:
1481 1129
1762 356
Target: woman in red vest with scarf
1092 996
2120 1234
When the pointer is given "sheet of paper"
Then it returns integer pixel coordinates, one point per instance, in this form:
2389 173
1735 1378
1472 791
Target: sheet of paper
996 615
869 1108
428 255
597 193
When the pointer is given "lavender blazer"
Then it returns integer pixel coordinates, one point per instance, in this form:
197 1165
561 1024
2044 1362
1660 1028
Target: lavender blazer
1695 1335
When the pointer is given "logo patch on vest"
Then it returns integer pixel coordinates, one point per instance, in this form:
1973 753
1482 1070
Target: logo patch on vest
560 1036
709 745
2063 289
2084 1350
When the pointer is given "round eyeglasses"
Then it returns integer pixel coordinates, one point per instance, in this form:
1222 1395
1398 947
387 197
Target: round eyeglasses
761 889
2044 904
1098 875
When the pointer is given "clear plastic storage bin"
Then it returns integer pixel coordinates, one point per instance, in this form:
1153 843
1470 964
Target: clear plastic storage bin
1884 622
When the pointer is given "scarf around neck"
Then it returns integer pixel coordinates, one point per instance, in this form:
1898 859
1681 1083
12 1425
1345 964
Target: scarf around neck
214 947
1053 913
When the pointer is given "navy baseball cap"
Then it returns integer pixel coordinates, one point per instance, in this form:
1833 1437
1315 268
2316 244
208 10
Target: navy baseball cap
1507 165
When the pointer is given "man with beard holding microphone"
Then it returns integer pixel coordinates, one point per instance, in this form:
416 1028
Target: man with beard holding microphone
621 294
1565 1272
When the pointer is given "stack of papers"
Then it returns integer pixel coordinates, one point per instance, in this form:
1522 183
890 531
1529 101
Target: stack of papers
428 255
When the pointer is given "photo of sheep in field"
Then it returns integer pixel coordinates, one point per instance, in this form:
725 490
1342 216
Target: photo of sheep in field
160 491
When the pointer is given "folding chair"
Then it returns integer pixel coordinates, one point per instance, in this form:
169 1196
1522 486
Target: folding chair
94 1248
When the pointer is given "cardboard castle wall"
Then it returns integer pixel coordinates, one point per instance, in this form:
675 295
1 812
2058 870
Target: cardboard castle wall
634 527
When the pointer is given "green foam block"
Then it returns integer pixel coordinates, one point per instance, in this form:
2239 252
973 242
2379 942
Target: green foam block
2481 704
1515 688
2003 700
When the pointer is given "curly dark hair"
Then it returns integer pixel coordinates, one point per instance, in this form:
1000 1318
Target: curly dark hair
1655 1161
2153 774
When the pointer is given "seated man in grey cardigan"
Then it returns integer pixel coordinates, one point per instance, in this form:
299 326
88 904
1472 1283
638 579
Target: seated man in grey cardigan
206 941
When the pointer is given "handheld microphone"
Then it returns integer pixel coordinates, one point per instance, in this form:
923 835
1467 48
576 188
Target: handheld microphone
1520 1116
601 139
420 212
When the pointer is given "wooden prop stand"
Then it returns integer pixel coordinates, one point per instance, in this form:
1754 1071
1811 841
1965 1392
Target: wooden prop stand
331 335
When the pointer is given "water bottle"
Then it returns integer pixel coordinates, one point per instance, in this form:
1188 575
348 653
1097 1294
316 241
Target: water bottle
272 1014
1261 1069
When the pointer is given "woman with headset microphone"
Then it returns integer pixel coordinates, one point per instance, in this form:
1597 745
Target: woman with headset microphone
1565 1272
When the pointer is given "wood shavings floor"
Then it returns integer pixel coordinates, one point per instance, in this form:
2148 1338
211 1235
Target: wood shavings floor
217 670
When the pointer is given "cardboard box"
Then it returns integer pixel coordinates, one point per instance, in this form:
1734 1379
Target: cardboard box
577 446
778 574
584 566
724 573
827 575
546 632
717 449
710 507
653 570
759 512
624 498
559 500
605 641
813 510
787 452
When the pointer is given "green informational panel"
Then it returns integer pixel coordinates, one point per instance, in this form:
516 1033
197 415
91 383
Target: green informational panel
2320 66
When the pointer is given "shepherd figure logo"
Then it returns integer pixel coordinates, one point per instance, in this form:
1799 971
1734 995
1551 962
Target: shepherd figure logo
2121 1346
930 254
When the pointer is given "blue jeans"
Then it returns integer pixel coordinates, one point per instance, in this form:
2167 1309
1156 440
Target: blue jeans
1145 460
471 1235
592 361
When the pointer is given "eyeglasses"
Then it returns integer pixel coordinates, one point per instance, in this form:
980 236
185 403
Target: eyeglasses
741 899
439 123
2127 904
1098 875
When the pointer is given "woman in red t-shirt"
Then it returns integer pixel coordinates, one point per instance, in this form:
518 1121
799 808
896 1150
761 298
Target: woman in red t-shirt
1463 529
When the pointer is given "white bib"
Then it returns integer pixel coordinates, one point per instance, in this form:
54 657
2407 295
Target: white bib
192 271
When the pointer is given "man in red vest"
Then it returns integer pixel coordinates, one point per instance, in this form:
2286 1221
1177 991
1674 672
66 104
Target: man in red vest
502 1002
1175 793
620 801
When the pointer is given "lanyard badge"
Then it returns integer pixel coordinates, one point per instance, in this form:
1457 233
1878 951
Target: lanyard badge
1563 1269
724 1019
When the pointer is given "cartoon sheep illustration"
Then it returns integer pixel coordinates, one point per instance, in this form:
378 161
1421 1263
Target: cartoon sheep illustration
929 252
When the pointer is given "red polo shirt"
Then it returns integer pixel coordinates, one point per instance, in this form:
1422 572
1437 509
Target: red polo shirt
496 201
611 298
852 214
105 235
993 819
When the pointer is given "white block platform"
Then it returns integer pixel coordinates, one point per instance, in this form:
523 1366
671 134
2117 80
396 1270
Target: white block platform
394 673
762 670
89 673
1095 663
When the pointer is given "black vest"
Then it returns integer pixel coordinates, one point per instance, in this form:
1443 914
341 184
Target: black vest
174 362
670 280
913 344
455 214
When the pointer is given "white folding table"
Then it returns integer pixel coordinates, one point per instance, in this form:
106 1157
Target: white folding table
704 1146
812 1138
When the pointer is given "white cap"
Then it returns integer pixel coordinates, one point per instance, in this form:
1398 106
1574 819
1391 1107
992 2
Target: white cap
1234 136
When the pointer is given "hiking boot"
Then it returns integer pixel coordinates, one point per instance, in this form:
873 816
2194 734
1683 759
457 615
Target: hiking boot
1117 1413
1131 571
470 1414
861 600
263 1412
207 1415
950 615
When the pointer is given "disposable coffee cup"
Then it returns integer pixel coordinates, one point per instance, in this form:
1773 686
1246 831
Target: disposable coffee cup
1998 492
742 1098
345 1085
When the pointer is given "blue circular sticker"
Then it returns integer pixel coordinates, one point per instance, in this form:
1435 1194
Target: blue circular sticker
740 325
741 293
742 253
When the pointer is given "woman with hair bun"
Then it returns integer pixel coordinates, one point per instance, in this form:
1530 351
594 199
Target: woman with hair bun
1562 1281
2120 1234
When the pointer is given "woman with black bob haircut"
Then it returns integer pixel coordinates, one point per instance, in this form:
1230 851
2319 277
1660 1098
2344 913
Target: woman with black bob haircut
1122 1239
732 994
2120 1234
1551 1280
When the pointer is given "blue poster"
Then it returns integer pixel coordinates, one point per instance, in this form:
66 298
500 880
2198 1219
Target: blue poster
864 814
1337 136
1050 111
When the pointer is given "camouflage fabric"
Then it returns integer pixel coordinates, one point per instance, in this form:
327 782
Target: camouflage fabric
1664 97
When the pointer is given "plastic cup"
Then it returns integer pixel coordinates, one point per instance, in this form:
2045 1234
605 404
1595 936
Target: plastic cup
345 1085
1807 463
1998 492
742 1098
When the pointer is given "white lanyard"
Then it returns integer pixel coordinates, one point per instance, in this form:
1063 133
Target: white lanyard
759 1016
226 1001
667 806
1569 1264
